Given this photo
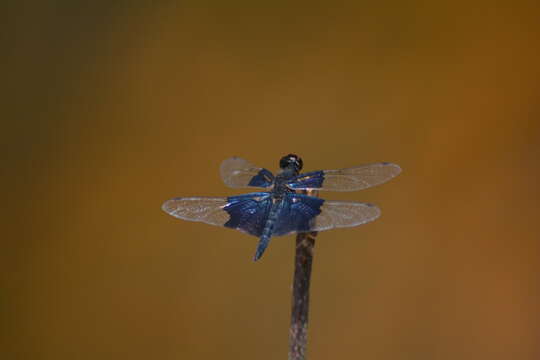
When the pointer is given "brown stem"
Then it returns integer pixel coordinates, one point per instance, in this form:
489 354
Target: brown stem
305 243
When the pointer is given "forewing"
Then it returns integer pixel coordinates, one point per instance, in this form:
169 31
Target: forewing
246 213
303 213
351 179
239 173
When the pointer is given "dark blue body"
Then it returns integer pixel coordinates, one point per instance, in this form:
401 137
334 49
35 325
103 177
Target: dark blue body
278 212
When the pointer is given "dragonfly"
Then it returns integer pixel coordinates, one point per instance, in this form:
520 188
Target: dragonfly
283 209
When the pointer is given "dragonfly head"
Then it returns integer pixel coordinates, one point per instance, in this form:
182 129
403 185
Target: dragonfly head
291 162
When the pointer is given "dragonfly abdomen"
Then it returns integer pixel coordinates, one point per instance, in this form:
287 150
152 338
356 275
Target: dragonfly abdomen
268 229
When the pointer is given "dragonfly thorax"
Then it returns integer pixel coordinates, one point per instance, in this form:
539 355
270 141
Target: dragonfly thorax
280 187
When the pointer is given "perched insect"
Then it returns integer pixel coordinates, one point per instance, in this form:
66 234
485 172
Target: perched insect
281 210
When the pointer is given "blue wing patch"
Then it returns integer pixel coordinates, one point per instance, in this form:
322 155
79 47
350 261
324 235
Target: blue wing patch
298 214
248 212
313 180
263 179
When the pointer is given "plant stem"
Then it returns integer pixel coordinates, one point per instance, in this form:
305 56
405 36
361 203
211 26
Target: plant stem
305 243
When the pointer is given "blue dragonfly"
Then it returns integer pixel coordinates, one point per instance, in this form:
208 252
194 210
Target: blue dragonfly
281 210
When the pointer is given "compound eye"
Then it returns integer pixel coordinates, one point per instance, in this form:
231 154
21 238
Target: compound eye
290 159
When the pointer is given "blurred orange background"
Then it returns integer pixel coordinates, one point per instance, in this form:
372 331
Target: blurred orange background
113 107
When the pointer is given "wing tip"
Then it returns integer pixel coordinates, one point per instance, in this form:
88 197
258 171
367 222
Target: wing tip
230 167
168 206
396 168
377 211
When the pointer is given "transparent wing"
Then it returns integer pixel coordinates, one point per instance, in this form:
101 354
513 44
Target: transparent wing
204 209
351 179
338 214
302 213
247 213
239 173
